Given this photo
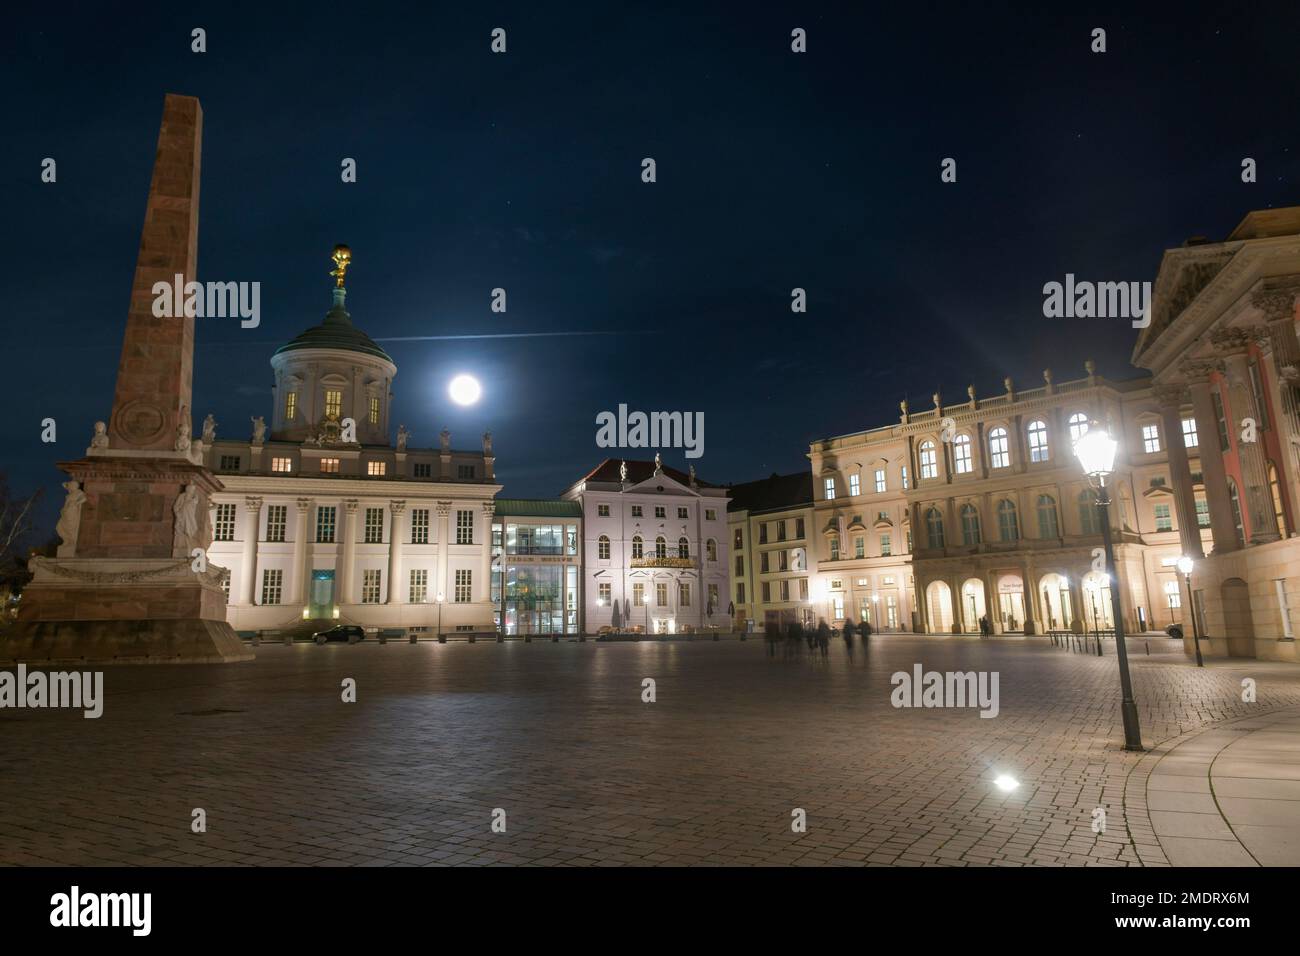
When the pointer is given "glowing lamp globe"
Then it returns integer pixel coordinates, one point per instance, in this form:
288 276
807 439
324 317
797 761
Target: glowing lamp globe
1185 565
1095 450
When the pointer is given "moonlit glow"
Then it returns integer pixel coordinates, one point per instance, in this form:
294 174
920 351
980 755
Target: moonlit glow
1005 783
464 390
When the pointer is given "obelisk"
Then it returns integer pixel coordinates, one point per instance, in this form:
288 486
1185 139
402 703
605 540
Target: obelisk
131 582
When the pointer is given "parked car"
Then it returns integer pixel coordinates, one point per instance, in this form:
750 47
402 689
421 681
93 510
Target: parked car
340 632
1175 630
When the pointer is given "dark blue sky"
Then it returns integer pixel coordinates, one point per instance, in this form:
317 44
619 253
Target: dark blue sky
523 171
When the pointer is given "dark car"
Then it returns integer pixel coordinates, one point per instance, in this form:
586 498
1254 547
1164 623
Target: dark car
340 632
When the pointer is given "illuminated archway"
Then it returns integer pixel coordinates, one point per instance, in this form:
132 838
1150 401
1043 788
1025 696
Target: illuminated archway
1055 609
938 602
972 605
1096 602
1011 602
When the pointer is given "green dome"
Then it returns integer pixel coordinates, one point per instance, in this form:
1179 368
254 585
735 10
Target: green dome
336 332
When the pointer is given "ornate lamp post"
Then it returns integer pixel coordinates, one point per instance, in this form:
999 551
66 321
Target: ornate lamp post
1185 566
1095 450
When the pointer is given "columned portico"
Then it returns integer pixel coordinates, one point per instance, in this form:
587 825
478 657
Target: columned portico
301 553
1222 527
348 551
395 592
1254 474
252 523
444 541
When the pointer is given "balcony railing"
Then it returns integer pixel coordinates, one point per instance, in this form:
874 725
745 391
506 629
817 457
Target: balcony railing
651 561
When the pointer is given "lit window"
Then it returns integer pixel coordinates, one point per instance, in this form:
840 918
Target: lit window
464 586
1189 433
905 484
325 525
376 468
835 547
374 410
934 528
602 547
830 489
272 585
420 526
1150 439
333 403
276 518
711 550
329 465
929 461
638 547
961 455
1202 512
224 527
880 480
604 594
602 511
661 547
1164 521
374 526
419 592
1078 426
683 595
970 525
1048 526
855 488
1008 523
370 587
638 595
291 406
464 527
282 464
999 457
1275 488
884 546
1038 450
661 594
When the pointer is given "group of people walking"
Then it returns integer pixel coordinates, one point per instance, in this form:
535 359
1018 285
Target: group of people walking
794 635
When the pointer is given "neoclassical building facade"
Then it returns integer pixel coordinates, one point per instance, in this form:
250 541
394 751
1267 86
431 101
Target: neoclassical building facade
654 549
1222 341
326 519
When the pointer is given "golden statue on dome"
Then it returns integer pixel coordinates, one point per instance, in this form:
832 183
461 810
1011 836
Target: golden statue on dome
342 257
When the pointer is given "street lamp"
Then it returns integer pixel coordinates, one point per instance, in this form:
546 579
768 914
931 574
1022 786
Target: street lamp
1095 450
1185 566
441 597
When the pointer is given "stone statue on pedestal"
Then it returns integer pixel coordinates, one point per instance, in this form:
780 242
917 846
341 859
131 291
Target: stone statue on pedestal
259 429
100 439
70 518
403 436
209 430
188 530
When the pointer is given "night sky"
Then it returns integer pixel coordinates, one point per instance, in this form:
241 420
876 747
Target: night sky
522 170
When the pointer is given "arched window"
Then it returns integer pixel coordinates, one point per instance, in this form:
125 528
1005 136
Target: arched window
929 462
1048 526
1038 450
961 456
970 525
683 548
711 549
1089 520
1078 426
934 528
999 456
638 547
1008 525
1275 487
602 547
661 547
1235 501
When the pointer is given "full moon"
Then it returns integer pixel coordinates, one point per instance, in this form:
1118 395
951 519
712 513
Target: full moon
464 390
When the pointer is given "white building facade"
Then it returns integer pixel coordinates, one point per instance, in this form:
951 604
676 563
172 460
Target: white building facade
328 521
655 549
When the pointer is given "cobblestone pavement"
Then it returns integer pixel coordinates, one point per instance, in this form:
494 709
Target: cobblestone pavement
558 737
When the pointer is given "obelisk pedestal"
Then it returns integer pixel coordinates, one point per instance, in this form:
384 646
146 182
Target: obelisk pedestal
131 583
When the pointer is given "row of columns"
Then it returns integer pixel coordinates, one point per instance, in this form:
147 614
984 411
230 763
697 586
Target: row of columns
300 587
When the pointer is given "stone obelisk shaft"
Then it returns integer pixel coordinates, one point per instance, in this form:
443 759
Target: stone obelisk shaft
155 373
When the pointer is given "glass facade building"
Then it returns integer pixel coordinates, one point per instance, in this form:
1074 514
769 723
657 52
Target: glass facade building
536 558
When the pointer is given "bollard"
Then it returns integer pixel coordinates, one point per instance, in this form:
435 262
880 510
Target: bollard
528 638
715 635
1148 643
472 637
442 638
582 638
288 640
383 638
555 638
411 638
501 638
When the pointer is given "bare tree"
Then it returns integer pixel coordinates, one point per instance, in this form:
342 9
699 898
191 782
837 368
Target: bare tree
16 521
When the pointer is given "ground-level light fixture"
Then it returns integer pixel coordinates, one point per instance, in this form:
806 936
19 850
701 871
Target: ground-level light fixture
1006 783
